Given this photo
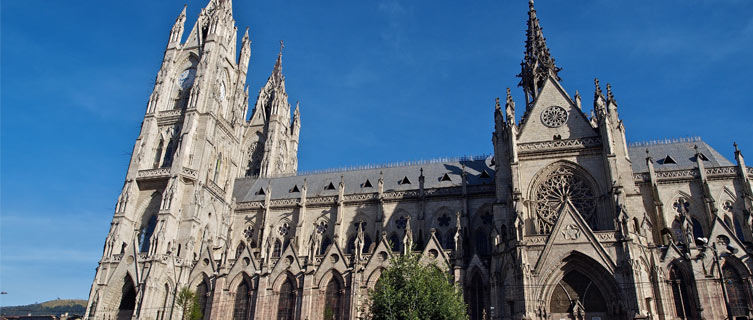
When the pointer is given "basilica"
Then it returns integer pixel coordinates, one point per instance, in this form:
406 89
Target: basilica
565 220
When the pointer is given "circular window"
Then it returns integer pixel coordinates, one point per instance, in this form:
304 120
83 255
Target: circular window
554 116
561 186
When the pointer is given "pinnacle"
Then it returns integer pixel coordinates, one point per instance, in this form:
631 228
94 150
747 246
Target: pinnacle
598 93
537 63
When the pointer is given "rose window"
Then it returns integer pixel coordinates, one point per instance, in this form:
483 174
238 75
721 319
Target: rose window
554 116
561 186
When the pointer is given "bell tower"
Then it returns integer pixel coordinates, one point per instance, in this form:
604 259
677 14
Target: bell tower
176 200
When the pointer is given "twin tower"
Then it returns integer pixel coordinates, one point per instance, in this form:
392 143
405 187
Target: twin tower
565 221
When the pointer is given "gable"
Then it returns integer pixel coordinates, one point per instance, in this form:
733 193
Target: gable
554 114
573 233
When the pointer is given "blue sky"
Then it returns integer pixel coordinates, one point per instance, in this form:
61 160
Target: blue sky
378 81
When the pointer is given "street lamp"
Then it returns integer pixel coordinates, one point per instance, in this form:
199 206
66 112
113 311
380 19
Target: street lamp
721 274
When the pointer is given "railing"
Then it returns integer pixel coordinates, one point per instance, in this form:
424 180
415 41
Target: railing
154 173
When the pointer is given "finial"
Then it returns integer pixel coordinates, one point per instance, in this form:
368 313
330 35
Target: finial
735 145
422 171
496 103
598 93
696 149
577 94
282 45
609 92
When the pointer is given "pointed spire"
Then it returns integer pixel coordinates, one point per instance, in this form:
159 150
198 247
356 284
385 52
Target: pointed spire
509 108
278 65
177 32
537 63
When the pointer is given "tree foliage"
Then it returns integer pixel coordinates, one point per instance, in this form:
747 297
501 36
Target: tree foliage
411 290
188 302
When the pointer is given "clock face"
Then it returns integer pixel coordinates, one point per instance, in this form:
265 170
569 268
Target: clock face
186 78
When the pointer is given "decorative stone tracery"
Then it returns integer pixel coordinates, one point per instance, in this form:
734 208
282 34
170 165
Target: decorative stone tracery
562 185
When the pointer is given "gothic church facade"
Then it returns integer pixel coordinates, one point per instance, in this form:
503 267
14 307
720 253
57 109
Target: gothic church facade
565 220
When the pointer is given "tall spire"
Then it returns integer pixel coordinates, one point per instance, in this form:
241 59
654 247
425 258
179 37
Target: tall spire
277 72
537 63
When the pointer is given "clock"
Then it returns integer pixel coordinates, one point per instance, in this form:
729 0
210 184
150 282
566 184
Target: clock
186 78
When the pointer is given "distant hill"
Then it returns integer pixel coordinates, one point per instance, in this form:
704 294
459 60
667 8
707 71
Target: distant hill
52 307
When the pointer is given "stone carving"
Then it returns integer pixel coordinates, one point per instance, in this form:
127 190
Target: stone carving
571 232
554 116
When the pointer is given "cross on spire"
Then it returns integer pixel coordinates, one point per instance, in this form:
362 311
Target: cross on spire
537 63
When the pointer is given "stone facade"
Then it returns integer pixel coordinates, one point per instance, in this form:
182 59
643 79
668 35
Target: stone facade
564 221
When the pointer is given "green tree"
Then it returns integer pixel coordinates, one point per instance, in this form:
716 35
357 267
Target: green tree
411 290
188 302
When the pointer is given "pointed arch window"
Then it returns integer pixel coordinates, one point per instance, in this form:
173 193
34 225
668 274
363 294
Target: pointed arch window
351 245
146 233
277 251
287 301
217 167
737 291
681 294
335 302
245 301
394 242
476 303
239 250
203 293
482 242
169 154
158 154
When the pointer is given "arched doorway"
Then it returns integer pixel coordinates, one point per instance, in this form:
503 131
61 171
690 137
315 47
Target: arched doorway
576 296
475 300
287 301
334 306
127 299
684 300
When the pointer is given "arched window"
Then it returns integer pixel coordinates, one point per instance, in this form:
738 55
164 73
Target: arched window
146 233
204 294
127 299
287 301
325 245
394 242
482 242
217 167
684 302
245 301
476 305
739 302
169 154
450 240
277 249
158 154
335 302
